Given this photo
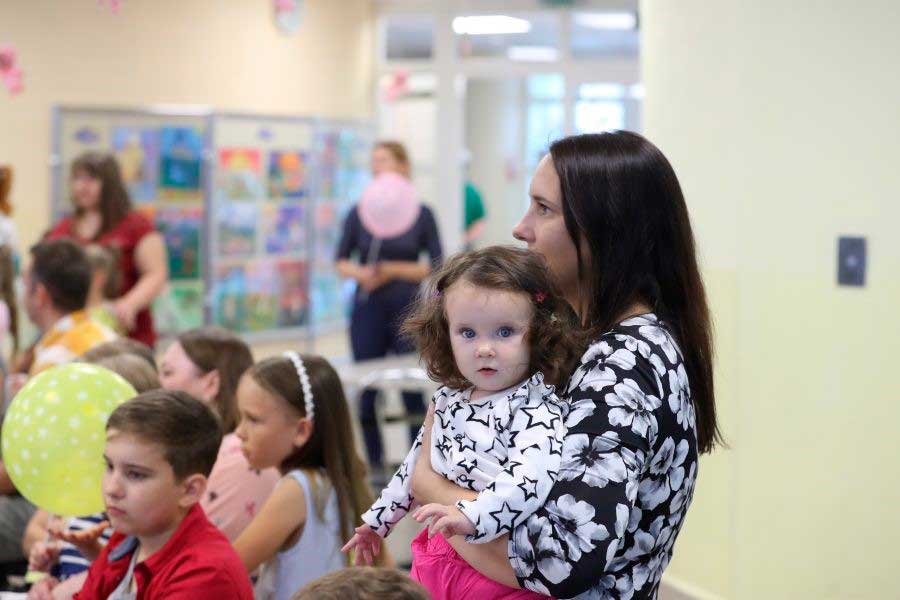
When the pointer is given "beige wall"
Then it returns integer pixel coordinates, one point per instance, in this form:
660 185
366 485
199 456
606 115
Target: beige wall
227 54
781 121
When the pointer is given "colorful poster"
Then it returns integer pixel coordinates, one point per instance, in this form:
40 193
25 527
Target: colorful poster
325 297
352 173
287 174
284 228
181 228
261 301
240 173
180 308
181 154
229 297
328 160
237 229
327 232
294 294
137 151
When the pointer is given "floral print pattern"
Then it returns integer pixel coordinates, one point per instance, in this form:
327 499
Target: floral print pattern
627 473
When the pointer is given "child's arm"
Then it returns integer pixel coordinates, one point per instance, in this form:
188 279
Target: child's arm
396 500
279 517
36 531
535 435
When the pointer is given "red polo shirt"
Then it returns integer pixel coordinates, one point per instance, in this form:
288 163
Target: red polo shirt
197 562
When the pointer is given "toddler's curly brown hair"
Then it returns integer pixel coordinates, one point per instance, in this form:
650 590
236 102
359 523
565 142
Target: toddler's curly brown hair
553 345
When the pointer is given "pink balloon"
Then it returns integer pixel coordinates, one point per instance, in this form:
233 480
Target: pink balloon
389 206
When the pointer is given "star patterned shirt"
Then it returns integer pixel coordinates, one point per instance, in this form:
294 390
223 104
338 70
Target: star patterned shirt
627 475
505 446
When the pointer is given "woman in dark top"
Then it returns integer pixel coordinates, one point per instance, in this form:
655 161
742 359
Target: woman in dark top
385 289
104 215
609 216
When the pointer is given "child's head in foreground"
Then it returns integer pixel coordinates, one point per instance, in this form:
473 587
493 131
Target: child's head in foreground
363 583
490 318
160 448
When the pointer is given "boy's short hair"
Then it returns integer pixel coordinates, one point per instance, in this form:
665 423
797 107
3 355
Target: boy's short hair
62 267
363 583
187 430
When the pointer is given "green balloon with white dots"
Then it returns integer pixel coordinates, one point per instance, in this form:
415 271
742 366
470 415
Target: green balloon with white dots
54 434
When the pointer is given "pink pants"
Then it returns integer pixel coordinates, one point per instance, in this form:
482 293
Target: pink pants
446 576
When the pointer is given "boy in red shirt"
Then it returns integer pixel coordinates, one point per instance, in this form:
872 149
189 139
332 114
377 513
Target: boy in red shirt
160 448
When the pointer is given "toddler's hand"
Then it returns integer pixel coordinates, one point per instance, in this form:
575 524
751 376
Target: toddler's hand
366 543
448 520
43 556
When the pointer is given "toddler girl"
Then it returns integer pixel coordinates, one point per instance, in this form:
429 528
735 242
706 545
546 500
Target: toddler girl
492 329
294 417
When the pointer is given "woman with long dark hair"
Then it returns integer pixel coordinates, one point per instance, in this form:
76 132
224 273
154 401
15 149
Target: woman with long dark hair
608 215
103 215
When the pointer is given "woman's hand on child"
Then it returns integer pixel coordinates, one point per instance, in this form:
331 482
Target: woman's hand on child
43 555
447 520
43 589
367 545
86 540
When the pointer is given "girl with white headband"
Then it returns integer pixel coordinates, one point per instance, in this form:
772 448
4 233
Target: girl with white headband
294 417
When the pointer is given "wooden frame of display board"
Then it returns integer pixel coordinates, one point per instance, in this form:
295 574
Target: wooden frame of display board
282 172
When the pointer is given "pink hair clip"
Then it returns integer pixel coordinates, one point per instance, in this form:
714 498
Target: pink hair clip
540 297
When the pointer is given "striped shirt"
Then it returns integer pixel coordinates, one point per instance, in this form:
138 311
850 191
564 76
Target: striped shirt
71 561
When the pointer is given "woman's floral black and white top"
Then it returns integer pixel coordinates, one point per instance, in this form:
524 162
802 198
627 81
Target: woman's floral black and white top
627 474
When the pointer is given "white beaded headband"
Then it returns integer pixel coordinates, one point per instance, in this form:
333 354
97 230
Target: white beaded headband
304 382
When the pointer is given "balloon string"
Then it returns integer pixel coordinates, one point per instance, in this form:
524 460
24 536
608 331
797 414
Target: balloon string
371 259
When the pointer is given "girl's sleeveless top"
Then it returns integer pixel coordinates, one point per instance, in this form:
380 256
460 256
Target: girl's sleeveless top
316 553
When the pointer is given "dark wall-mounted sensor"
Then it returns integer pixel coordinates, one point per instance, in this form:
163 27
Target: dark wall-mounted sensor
851 267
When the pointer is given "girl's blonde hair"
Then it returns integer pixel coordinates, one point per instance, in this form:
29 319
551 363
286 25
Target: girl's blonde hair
105 260
134 369
330 447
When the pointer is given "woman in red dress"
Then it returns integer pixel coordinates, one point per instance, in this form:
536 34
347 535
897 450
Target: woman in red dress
103 215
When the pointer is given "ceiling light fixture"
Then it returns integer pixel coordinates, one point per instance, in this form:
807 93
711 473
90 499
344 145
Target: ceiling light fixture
610 20
533 53
489 25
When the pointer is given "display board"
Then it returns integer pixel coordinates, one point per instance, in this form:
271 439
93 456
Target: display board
343 150
251 208
161 156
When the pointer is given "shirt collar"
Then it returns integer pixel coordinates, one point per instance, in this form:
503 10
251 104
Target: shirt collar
175 546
